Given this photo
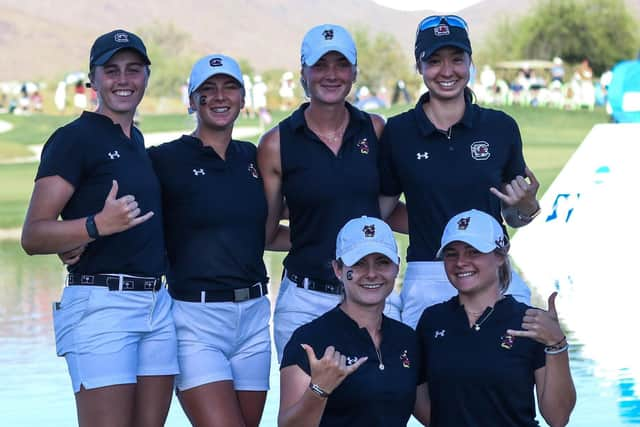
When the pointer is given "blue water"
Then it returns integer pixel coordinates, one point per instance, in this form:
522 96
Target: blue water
35 389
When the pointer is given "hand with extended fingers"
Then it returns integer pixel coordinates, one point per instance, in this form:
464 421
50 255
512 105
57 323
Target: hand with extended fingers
520 193
119 214
329 371
541 325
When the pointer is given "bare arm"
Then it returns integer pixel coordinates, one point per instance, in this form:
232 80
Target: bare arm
301 407
422 408
271 171
43 233
554 385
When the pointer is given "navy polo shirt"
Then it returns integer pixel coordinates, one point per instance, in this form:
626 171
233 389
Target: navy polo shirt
369 396
479 378
215 212
443 174
323 190
89 153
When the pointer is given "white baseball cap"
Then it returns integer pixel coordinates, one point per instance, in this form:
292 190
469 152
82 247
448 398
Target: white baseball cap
475 228
326 38
212 65
363 236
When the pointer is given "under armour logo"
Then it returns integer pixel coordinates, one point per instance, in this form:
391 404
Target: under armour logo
351 360
197 172
327 34
422 156
439 334
114 155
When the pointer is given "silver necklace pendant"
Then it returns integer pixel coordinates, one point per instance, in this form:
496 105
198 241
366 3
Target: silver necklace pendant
476 327
381 367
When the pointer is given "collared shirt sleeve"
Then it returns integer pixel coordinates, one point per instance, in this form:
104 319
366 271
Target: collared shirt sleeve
62 156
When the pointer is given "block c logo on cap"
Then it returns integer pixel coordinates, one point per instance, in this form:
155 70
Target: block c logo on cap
216 62
121 38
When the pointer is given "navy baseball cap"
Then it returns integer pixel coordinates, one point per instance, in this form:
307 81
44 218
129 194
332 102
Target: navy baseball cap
111 43
437 31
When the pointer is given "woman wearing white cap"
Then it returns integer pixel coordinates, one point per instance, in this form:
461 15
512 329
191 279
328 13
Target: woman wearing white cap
325 145
448 155
354 366
215 212
484 351
113 324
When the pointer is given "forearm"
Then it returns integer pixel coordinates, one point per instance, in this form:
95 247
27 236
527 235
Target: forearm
306 412
559 395
48 236
281 241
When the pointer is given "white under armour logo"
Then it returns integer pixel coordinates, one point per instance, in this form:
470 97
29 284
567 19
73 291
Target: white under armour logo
197 172
114 155
422 156
439 334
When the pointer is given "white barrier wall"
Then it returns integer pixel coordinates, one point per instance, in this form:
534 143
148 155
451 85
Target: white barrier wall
586 245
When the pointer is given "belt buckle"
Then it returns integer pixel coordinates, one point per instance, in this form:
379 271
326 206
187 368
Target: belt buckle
241 294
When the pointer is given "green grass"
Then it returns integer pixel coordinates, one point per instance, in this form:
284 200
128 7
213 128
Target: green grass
550 137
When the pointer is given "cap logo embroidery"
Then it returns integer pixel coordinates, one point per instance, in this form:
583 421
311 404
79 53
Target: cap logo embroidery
253 171
441 30
480 150
363 146
369 230
327 34
216 62
502 242
406 363
121 38
463 223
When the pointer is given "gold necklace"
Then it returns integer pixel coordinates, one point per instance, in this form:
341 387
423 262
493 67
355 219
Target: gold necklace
380 364
338 132
484 318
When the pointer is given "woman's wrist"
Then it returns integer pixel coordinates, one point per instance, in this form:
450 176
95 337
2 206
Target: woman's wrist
318 391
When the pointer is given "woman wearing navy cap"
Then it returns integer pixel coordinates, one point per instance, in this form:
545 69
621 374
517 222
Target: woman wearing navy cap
113 324
353 366
326 144
215 212
448 155
484 352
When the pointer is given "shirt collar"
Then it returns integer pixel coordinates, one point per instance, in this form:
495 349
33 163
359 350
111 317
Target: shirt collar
197 144
357 118
426 127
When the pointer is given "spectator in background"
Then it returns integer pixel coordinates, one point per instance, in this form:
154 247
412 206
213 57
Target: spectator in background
259 92
79 96
557 70
286 91
60 97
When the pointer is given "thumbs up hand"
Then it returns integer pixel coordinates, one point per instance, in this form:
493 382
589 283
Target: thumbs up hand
119 214
541 325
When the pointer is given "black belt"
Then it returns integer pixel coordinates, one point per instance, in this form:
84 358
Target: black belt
316 285
226 295
116 282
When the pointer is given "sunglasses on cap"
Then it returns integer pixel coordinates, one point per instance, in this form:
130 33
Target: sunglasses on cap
434 21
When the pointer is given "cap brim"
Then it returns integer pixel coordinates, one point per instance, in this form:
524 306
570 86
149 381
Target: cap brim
477 242
426 53
360 251
105 57
312 59
215 73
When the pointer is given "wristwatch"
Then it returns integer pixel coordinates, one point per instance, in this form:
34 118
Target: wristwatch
92 229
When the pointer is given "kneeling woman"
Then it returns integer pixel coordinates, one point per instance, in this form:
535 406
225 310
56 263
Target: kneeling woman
484 351
215 213
353 366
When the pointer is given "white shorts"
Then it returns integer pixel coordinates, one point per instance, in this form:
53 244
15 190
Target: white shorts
220 341
426 283
112 337
297 306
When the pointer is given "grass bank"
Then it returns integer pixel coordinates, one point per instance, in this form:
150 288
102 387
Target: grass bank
549 136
